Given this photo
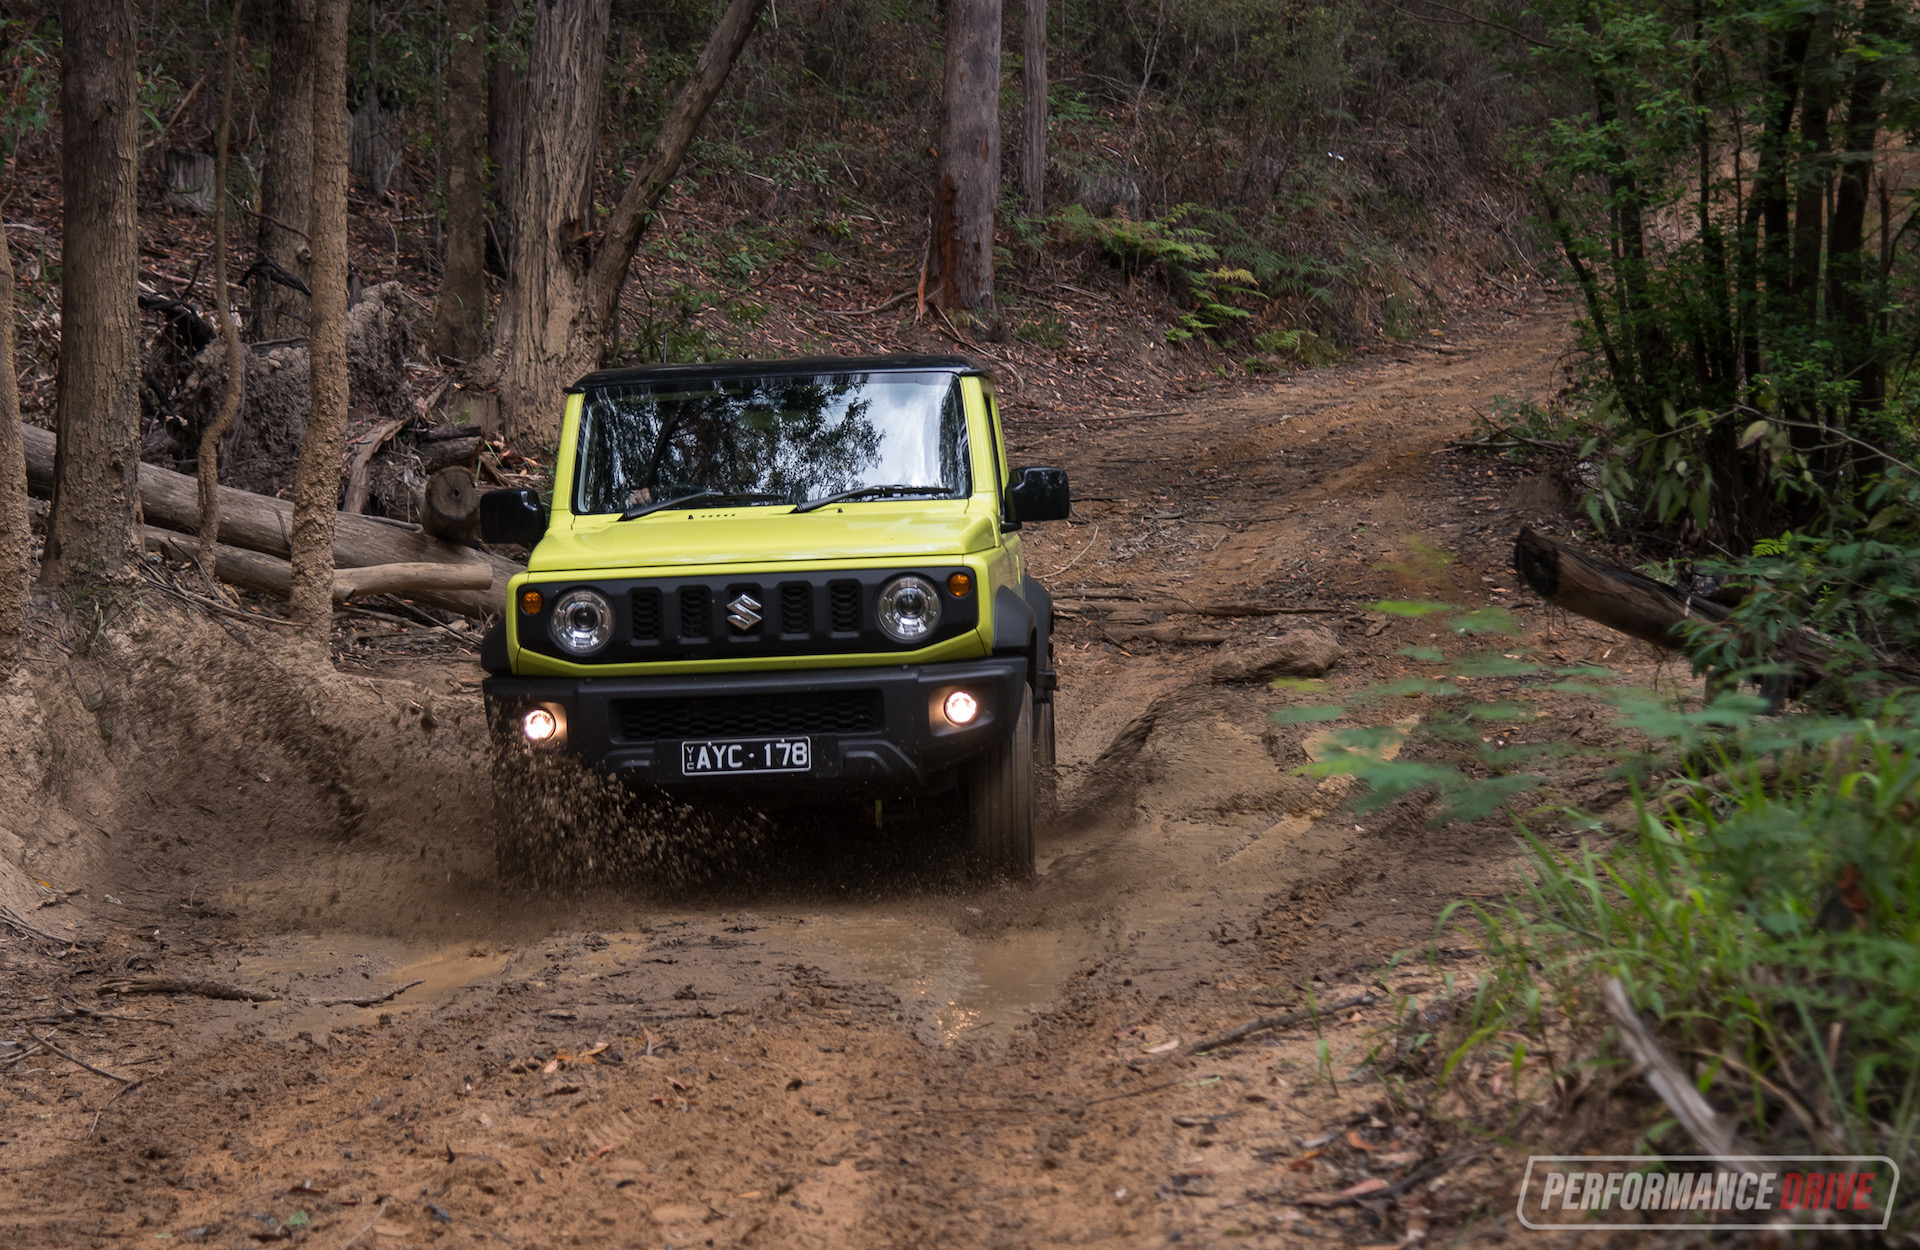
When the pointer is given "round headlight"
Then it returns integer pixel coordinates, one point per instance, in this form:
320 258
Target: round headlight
582 622
909 608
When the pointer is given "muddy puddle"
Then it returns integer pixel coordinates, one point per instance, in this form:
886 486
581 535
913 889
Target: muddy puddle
950 986
1215 816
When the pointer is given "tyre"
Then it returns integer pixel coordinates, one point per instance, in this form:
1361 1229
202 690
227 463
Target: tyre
1000 801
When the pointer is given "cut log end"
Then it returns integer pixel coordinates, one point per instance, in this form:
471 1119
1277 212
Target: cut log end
451 506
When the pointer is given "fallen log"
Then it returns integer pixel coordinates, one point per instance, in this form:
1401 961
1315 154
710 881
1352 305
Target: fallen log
258 523
450 506
410 580
1655 612
438 453
254 570
1618 598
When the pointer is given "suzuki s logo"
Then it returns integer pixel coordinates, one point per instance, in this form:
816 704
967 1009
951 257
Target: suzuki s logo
744 612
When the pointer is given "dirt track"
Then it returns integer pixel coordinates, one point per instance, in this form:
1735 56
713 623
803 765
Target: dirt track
843 1045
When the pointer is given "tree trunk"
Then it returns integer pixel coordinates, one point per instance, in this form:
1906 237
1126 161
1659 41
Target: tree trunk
91 535
960 258
506 110
16 535
544 304
286 170
208 462
559 303
1033 149
1849 273
459 317
316 487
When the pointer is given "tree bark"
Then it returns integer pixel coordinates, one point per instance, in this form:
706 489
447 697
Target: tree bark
559 303
960 257
261 523
286 170
542 311
506 108
316 486
1033 149
458 318
1849 273
16 534
208 461
91 535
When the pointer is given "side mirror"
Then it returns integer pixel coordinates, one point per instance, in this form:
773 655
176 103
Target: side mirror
1038 495
512 516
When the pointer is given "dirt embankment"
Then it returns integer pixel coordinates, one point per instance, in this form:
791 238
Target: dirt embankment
840 1041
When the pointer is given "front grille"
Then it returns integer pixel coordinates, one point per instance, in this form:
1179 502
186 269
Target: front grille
646 615
733 716
802 613
796 608
843 606
696 611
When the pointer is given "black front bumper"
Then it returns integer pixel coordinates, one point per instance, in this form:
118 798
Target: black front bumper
872 729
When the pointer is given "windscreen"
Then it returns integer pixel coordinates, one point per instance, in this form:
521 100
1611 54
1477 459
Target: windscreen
796 438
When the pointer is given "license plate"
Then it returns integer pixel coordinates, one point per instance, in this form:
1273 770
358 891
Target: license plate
746 755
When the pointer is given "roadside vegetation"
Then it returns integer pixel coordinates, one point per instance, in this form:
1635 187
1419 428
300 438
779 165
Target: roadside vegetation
1732 200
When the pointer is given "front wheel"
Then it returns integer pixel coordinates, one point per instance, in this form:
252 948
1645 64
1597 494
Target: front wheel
1000 801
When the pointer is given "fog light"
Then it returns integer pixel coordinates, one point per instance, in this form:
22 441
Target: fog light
539 725
961 707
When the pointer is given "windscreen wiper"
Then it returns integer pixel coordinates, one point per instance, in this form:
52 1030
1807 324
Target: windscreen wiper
865 492
727 496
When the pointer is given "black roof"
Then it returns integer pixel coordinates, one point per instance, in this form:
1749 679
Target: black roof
795 367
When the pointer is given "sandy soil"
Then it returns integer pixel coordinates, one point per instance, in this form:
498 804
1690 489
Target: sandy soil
838 1042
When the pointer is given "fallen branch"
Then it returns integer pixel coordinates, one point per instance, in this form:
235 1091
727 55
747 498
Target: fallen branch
1425 1172
1264 1023
371 1001
360 468
881 307
365 1228
1689 1106
14 920
220 990
226 992
111 1076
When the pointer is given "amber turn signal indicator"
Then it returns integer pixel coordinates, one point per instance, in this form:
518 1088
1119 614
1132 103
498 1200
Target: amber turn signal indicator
959 585
530 602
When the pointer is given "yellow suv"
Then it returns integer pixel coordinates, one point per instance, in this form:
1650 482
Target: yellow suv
784 580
